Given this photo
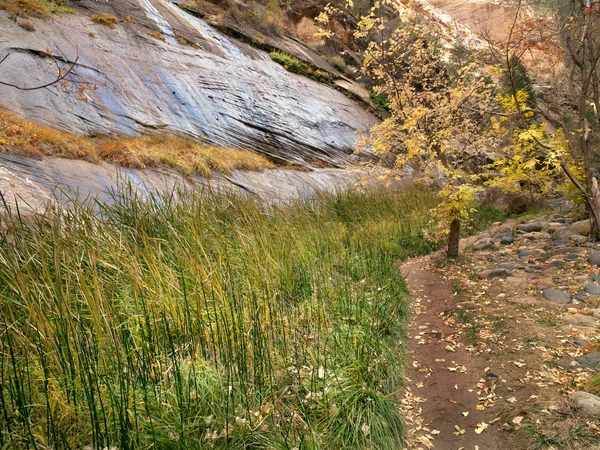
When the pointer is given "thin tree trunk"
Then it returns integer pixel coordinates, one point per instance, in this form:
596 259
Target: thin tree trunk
454 238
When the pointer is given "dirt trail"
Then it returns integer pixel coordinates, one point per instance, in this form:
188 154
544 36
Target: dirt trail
441 371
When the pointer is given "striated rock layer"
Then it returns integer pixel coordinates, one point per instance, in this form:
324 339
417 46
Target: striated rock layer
126 82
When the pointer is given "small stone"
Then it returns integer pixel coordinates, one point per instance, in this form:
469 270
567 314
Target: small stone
493 273
592 289
469 305
562 234
497 224
577 240
555 263
582 278
514 280
579 341
587 404
580 320
507 266
526 252
560 220
571 258
483 244
491 375
507 240
559 242
530 227
556 296
594 258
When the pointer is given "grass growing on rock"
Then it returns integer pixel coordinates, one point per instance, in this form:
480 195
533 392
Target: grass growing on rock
34 8
20 137
206 320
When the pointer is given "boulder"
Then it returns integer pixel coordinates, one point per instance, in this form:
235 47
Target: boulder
556 296
583 227
507 240
530 227
504 231
483 244
562 234
587 404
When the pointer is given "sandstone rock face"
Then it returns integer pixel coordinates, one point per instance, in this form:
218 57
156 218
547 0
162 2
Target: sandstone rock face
33 183
219 90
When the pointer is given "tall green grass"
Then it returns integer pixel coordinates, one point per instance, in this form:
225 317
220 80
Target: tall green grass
206 320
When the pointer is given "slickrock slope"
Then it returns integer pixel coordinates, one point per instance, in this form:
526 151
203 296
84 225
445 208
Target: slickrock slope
127 82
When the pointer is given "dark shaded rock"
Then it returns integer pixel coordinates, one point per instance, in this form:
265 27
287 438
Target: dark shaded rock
588 361
559 242
594 258
491 375
560 220
530 227
507 266
556 296
579 341
592 289
507 240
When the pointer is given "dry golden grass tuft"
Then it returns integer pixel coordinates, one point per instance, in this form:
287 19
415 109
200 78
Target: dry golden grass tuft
19 137
182 154
34 8
105 19
28 139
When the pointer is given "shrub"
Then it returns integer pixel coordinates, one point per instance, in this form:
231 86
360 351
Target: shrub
338 62
294 65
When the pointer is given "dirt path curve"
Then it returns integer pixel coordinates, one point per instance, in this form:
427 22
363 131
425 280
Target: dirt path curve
445 383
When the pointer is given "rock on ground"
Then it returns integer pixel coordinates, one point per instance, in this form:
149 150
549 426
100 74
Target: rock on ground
556 296
587 404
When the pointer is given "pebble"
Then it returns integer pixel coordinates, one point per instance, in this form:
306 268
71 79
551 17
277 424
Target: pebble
579 341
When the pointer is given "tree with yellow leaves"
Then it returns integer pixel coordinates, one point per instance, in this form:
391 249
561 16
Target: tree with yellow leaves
437 116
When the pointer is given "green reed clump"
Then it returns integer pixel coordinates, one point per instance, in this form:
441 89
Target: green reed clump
206 320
